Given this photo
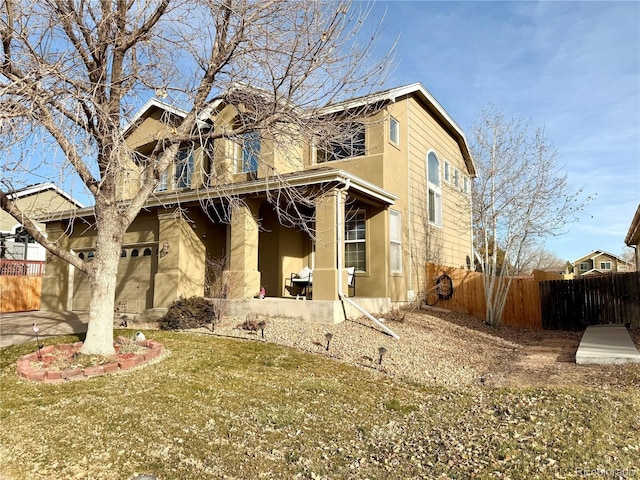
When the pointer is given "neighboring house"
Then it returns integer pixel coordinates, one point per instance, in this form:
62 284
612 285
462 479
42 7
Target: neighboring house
600 262
35 201
633 238
396 196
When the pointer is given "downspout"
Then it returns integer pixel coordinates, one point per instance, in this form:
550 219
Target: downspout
340 239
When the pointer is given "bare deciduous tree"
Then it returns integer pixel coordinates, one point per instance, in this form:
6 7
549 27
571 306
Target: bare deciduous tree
519 198
74 73
537 257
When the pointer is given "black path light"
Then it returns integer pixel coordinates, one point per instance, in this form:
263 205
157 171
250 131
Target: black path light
381 352
328 336
38 347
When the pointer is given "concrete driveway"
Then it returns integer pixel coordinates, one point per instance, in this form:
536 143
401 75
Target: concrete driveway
16 328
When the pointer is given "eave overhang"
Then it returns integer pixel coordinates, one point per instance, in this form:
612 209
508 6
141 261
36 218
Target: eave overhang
633 236
322 178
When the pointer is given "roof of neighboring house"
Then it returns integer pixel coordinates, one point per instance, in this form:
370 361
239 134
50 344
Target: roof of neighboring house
633 236
42 187
596 253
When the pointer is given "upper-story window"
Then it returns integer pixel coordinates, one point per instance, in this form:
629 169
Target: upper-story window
394 131
584 266
605 265
247 153
350 143
184 168
447 171
435 189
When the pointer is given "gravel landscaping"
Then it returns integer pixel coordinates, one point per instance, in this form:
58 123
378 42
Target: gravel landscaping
447 349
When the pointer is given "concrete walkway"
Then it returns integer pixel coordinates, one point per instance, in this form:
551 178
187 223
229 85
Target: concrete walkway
606 344
16 328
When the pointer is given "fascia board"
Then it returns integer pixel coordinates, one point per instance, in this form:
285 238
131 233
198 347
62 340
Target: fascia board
42 187
633 236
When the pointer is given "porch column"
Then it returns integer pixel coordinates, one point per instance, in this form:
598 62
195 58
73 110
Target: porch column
325 273
181 261
243 277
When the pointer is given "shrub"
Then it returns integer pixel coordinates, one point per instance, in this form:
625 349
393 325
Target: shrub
185 313
253 323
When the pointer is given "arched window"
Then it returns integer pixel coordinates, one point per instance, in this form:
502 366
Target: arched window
81 256
134 252
123 253
90 255
434 206
147 252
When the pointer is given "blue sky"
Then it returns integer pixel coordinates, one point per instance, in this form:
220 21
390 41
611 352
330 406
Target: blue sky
572 67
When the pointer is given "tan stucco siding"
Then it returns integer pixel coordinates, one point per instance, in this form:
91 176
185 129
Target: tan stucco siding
450 243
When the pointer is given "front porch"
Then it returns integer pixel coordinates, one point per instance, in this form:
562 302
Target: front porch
317 311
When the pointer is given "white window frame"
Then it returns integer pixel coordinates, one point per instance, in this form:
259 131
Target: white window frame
447 171
434 196
394 130
353 145
183 168
351 218
605 265
241 153
395 242
584 266
456 178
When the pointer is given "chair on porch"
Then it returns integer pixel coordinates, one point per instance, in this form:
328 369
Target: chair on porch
301 283
351 280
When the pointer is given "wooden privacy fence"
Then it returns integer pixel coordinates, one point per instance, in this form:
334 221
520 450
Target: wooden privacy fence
20 285
522 308
592 300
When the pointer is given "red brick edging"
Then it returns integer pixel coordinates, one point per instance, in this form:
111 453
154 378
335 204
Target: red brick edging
25 369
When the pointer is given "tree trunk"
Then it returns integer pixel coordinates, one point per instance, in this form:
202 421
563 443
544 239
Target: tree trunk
103 277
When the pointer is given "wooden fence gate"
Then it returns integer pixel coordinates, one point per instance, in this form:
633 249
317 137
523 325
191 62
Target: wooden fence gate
575 304
20 285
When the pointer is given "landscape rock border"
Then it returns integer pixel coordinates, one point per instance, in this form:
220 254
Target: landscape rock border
25 370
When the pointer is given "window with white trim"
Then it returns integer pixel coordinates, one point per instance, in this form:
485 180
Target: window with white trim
447 171
584 266
347 144
394 131
605 265
247 153
467 185
456 178
355 251
435 190
395 241
184 168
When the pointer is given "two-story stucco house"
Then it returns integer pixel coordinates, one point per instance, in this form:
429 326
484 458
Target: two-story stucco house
393 197
599 262
35 201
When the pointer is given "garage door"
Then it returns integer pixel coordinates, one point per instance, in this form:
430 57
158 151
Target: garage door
134 287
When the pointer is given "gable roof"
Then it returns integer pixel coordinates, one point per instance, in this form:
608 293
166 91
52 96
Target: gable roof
43 187
389 95
434 107
596 253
